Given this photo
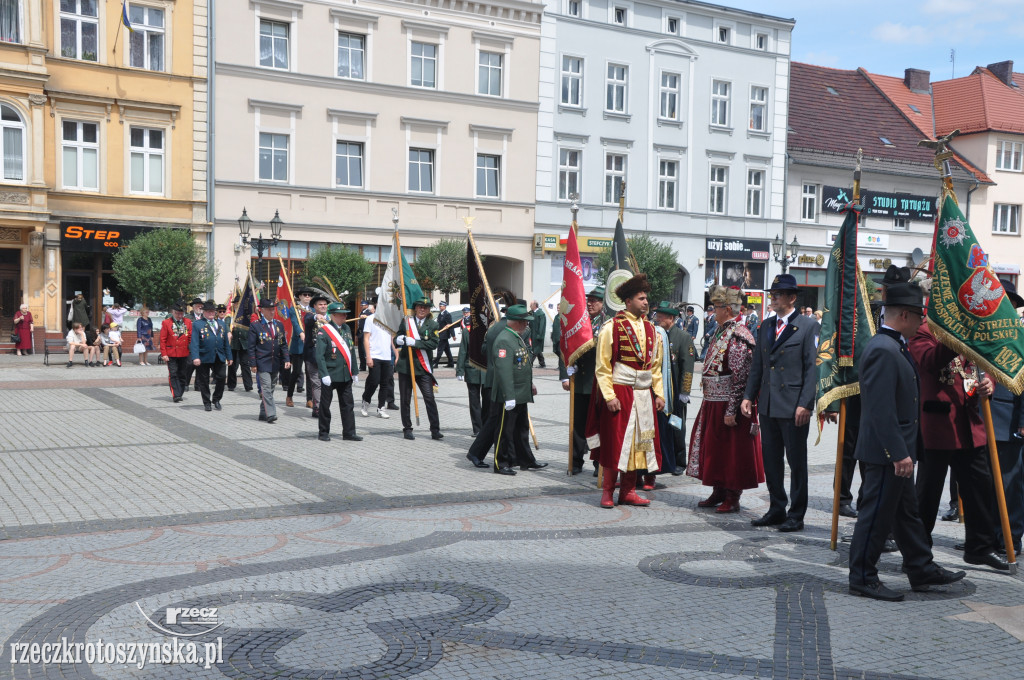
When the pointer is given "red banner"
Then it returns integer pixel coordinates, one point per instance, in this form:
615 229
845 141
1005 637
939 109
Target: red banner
285 301
577 335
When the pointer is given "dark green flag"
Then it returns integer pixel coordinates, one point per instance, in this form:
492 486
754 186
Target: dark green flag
846 323
968 310
623 268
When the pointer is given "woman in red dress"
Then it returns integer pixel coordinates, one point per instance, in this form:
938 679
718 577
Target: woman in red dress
725 447
23 327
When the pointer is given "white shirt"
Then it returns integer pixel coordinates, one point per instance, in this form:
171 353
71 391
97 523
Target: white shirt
380 340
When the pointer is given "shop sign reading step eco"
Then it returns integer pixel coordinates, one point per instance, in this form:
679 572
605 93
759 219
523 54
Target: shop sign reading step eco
86 237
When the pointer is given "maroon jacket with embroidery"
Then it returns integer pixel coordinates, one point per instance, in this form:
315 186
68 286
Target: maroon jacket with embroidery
172 345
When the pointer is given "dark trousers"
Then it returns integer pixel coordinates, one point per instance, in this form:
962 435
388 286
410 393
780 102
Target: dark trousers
361 351
241 362
781 442
348 416
679 409
295 373
444 347
580 407
176 372
190 370
849 448
539 356
1012 467
491 420
203 372
474 405
974 480
425 387
380 379
508 440
888 504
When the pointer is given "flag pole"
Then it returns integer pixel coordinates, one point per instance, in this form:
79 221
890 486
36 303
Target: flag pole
572 378
405 312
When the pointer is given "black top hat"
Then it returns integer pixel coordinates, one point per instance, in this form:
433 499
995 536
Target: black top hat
1011 292
904 294
317 297
209 306
893 275
785 283
196 301
265 303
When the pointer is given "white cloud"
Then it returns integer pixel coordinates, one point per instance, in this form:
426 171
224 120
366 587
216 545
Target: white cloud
899 34
947 7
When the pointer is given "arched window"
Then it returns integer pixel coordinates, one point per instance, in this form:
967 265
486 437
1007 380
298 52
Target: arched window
12 143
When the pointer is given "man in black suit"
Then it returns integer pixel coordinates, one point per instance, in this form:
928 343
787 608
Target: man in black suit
268 354
888 445
783 381
444 318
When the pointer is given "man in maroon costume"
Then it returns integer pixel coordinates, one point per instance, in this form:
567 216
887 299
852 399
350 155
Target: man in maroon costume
622 426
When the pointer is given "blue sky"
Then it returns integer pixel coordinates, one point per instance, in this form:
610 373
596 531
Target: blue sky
888 36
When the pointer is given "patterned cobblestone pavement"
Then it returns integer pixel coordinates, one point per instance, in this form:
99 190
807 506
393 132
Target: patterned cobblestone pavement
379 560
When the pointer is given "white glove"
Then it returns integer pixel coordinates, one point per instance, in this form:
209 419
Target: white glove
685 398
326 380
400 340
355 380
510 404
460 378
570 370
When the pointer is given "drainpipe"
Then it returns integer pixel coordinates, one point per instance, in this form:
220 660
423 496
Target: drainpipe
969 192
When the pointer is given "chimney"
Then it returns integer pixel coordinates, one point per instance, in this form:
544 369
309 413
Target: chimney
917 80
1003 70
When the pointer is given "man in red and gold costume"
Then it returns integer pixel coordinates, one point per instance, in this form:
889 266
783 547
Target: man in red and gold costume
622 425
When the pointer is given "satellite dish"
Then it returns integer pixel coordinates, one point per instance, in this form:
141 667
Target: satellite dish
917 257
615 279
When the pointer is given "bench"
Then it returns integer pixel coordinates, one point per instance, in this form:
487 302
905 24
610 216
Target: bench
55 346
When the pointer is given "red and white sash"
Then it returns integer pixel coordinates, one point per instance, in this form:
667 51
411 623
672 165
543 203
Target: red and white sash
340 345
421 354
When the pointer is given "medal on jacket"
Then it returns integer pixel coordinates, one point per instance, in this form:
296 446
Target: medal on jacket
970 385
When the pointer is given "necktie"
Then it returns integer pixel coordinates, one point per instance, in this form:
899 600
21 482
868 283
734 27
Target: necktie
779 327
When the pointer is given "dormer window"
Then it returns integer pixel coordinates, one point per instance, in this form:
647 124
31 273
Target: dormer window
723 34
620 16
673 25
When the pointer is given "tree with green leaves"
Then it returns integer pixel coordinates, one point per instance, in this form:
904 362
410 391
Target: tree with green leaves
656 258
160 267
442 266
344 267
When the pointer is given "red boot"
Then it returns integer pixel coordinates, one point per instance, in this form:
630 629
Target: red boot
731 502
716 497
608 487
648 482
627 491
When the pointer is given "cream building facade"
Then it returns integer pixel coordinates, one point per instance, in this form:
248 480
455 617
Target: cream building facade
333 114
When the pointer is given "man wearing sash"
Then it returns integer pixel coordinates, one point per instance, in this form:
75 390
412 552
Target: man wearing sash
336 364
622 428
419 333
312 321
268 355
210 352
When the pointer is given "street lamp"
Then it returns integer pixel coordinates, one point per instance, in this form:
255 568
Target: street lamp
790 255
245 224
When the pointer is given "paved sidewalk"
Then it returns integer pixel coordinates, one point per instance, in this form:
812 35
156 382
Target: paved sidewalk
377 559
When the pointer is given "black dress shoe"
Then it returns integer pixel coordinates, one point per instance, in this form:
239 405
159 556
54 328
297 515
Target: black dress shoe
577 470
408 435
216 405
475 461
939 577
263 418
505 471
231 389
392 407
208 407
677 472
960 546
876 591
535 466
352 438
846 510
595 472
768 520
248 389
271 419
889 546
991 559
176 399
436 435
952 516
324 437
792 525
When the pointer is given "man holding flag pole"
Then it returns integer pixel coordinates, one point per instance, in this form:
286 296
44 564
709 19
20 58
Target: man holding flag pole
335 357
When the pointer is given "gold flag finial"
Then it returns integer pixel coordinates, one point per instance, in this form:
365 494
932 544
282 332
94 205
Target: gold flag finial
468 219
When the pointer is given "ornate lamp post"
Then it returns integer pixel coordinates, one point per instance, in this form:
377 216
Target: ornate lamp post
261 246
789 257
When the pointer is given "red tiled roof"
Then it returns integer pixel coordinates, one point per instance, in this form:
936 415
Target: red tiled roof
977 103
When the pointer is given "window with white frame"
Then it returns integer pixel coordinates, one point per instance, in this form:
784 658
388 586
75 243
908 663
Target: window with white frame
146 40
351 56
12 143
348 164
755 193
723 34
669 96
718 184
1006 219
10 21
620 15
614 176
423 65
761 41
273 157
80 153
274 44
668 184
572 81
758 107
146 146
720 102
421 170
809 202
900 224
572 8
1008 155
489 74
79 28
488 169
616 84
672 25
568 173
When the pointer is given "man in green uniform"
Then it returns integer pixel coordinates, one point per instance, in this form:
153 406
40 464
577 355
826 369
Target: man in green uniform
419 333
584 383
466 372
681 355
338 371
511 390
538 324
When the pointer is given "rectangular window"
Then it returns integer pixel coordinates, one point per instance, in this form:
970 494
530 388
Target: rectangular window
423 67
900 224
668 183
724 34
1006 219
719 181
573 8
758 106
615 100
620 15
489 80
669 96
809 203
572 81
614 176
1008 155
487 175
10 21
761 41
672 26
755 192
568 173
348 164
351 56
12 143
273 157
421 170
81 153
274 44
720 103
79 28
146 41
147 160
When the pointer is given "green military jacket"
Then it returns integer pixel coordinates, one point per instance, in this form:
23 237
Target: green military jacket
683 356
537 328
489 338
329 360
464 367
428 341
239 336
586 363
511 364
